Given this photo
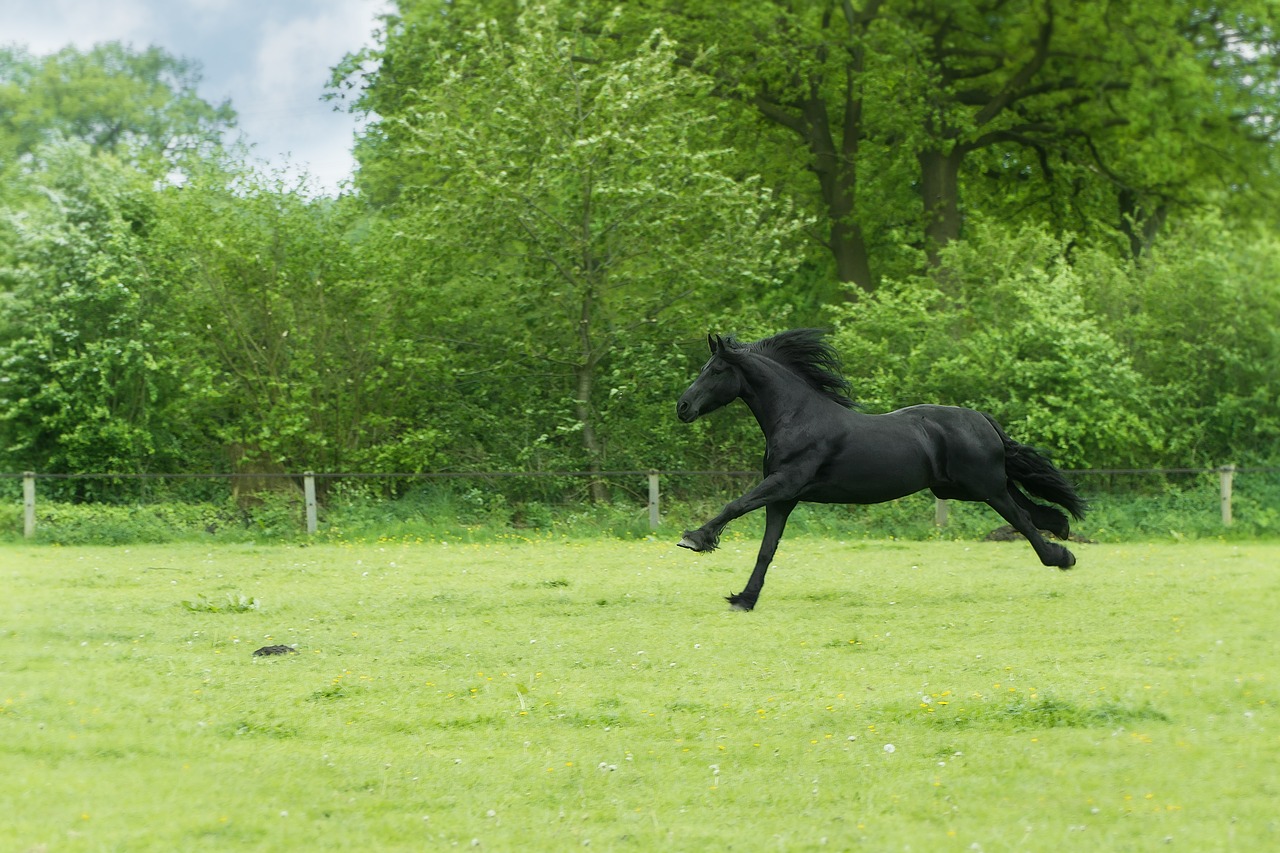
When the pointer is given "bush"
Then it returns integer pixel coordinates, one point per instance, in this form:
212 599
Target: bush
273 517
1004 328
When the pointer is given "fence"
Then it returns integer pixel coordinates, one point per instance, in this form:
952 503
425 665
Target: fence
1226 477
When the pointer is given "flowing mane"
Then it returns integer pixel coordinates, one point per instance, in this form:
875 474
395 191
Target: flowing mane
804 352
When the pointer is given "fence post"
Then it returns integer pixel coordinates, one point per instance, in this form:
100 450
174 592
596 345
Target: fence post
653 500
309 494
28 504
940 508
1226 474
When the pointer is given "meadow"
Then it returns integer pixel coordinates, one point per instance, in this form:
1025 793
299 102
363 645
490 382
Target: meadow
560 694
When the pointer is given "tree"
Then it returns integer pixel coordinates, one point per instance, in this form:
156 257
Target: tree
285 315
890 121
572 203
1112 113
91 377
140 108
136 104
1088 114
1198 314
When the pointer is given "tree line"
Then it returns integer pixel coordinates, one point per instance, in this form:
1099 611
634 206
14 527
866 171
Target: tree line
1061 213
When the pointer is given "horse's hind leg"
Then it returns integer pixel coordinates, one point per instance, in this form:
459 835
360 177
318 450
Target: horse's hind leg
1043 517
1050 553
775 521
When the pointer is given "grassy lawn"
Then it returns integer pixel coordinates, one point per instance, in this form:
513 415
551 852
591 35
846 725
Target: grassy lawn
559 694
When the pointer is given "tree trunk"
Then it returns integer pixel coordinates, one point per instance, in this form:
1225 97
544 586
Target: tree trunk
834 155
849 246
590 442
837 172
940 191
1139 222
585 376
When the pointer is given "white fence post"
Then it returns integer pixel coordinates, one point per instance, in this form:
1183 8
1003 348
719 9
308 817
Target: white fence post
1226 474
940 508
28 504
309 494
654 517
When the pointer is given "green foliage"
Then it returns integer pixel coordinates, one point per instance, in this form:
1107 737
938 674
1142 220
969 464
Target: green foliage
1005 329
1124 508
271 517
556 203
139 104
563 177
1198 318
92 373
1172 362
282 319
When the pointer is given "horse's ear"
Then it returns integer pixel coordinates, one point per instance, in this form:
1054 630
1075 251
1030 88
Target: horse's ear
714 343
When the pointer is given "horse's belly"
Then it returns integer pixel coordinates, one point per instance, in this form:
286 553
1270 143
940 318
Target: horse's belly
868 481
865 492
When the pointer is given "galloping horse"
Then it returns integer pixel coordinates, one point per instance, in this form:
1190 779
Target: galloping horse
819 448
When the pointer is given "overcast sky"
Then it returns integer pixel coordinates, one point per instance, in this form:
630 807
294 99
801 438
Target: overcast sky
271 58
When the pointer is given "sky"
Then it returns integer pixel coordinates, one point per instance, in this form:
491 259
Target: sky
271 58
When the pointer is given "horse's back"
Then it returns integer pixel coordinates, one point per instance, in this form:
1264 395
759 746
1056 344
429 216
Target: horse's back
852 457
953 451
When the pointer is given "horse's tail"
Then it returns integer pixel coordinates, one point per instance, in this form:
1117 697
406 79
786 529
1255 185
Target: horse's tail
1032 470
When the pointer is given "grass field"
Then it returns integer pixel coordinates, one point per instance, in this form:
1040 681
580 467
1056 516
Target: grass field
562 694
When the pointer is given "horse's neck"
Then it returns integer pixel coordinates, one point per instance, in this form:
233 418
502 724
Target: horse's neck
775 395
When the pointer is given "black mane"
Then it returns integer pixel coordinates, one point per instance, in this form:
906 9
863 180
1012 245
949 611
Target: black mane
806 353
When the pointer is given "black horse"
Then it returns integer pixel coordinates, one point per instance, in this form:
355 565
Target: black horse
819 448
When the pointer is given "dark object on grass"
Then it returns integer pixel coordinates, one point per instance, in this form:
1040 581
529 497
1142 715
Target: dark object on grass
1004 534
819 448
274 650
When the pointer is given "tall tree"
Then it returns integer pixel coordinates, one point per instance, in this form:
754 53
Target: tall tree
1113 112
91 377
571 200
283 314
135 103
1089 113
891 120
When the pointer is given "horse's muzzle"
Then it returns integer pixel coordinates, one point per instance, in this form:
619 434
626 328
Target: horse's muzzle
685 412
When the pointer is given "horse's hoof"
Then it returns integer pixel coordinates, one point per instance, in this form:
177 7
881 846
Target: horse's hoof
737 602
1068 560
696 540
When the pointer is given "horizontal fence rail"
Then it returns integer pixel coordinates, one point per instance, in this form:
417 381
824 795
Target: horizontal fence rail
1226 477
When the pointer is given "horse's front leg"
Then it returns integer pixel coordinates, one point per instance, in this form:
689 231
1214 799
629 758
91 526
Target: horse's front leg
776 515
772 488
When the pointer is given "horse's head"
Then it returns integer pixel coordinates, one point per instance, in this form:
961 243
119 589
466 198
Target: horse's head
719 383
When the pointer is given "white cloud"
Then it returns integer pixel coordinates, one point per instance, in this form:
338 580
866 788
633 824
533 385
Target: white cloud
291 66
48 26
272 58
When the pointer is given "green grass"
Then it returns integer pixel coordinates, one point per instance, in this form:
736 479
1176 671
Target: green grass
555 694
